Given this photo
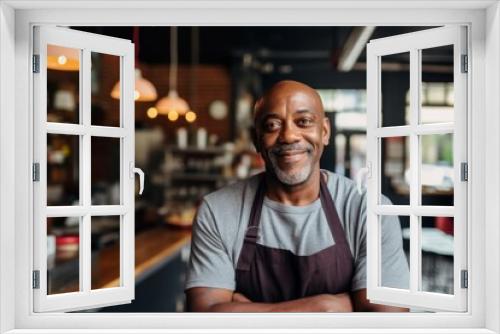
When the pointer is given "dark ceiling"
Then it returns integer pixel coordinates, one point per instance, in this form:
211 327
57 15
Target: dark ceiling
225 45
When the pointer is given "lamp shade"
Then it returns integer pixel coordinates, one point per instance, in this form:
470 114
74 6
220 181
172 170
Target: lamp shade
144 90
172 102
63 59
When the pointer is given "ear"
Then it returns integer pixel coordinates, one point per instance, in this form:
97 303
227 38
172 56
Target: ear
326 131
255 141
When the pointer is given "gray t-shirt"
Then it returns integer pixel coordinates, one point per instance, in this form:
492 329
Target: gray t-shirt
222 218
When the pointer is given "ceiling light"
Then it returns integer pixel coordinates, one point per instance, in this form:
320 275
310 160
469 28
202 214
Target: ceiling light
63 59
152 112
173 115
144 90
190 116
172 102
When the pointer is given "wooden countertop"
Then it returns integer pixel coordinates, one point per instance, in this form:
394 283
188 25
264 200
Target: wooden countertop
153 248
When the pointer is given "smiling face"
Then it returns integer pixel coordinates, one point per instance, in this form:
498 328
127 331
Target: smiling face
290 131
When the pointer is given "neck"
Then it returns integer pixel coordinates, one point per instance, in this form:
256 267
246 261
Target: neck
301 194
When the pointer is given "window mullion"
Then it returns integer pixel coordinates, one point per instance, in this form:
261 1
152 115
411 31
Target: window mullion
85 161
415 254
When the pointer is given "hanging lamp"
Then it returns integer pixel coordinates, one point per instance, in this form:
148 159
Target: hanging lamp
144 90
172 103
63 59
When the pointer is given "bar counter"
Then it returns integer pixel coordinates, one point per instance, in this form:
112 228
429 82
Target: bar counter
153 249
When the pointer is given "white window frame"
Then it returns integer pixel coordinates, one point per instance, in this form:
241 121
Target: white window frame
86 43
413 43
16 21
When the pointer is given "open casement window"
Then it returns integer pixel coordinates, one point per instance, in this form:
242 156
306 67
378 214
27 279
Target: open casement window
75 148
410 52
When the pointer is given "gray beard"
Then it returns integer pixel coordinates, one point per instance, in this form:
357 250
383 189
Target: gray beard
290 179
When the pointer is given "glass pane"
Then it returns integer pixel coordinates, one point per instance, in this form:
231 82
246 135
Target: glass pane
395 170
63 170
63 255
357 154
63 84
437 97
395 251
395 83
105 248
105 170
437 169
340 142
105 89
437 254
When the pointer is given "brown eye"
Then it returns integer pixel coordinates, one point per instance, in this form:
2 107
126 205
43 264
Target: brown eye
305 122
272 125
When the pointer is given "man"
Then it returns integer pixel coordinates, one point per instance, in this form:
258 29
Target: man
294 237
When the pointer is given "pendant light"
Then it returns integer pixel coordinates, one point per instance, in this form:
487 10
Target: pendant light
172 103
144 90
63 59
193 79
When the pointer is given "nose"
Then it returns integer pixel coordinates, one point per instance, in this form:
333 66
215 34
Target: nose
289 133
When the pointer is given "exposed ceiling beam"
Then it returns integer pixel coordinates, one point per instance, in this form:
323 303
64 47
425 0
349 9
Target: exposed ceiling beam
353 47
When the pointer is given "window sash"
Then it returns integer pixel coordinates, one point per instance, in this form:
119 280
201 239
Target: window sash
413 42
86 297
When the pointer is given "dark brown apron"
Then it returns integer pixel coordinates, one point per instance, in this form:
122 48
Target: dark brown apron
265 274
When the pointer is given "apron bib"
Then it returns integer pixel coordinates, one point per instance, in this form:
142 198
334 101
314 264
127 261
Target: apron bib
270 275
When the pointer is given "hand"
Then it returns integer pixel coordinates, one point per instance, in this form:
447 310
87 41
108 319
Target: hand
240 298
334 303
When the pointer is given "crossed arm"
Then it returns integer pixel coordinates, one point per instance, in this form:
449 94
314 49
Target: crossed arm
223 300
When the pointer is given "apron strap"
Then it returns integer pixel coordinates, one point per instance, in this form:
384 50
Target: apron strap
331 215
252 232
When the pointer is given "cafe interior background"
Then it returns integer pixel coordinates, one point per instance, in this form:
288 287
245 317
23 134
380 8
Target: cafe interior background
195 90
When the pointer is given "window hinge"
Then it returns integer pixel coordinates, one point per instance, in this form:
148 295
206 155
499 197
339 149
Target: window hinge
464 279
464 171
36 279
36 63
465 66
36 172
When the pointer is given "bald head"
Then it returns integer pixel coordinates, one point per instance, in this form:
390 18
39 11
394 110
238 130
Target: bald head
283 91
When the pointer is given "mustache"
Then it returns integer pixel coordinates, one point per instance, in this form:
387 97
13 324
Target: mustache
284 148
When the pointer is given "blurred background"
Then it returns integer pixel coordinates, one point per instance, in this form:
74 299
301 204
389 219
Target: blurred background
195 90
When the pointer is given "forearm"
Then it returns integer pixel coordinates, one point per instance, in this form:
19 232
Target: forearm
319 303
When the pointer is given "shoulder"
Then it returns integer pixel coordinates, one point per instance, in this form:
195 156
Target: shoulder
226 209
232 195
343 188
350 204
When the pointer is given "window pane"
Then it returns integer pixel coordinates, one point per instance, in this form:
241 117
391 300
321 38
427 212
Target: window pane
105 89
395 82
395 251
105 170
357 154
63 255
395 170
437 91
63 170
437 254
106 248
437 174
63 84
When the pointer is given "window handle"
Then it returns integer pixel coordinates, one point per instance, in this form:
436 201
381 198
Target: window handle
360 178
134 170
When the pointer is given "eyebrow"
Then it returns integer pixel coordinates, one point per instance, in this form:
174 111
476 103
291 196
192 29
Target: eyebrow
266 116
302 111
